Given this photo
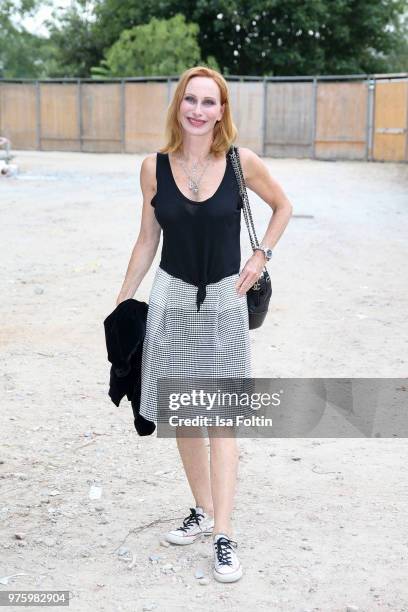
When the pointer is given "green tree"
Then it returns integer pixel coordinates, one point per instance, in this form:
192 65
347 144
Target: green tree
21 53
74 46
161 47
257 37
396 60
274 37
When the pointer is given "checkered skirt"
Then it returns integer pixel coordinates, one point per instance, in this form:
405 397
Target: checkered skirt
181 342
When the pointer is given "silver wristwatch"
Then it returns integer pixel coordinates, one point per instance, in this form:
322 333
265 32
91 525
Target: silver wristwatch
267 252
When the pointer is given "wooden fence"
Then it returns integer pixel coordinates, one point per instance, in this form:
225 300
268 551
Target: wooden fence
338 117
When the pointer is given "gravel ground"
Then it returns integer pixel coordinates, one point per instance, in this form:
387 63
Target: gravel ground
320 522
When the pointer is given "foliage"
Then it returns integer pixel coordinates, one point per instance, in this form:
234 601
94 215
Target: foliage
161 47
75 47
275 37
248 37
20 51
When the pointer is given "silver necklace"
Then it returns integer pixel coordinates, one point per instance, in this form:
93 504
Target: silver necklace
193 181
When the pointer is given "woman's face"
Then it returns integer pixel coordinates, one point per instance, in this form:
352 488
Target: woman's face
201 101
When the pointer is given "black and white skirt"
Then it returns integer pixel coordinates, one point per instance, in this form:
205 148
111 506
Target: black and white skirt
181 342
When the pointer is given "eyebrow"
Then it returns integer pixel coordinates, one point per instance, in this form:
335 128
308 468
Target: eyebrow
194 96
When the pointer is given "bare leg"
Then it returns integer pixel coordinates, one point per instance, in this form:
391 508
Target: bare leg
224 468
194 455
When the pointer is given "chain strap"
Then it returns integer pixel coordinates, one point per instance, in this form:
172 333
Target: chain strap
236 163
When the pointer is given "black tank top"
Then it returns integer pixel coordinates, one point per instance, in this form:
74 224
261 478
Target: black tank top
201 240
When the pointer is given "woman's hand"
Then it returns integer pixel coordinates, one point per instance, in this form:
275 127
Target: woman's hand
250 273
123 296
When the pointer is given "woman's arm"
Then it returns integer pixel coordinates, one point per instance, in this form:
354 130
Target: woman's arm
148 239
258 179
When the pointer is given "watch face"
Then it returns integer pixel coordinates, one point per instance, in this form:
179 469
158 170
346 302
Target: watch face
269 253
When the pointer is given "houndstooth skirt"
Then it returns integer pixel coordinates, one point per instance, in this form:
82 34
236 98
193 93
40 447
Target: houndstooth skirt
181 342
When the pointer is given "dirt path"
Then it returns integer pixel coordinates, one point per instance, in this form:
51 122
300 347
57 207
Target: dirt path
320 523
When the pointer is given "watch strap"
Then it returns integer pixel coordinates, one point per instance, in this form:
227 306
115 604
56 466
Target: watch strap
264 251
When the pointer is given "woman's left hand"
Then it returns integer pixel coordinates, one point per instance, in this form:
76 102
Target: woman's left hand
250 273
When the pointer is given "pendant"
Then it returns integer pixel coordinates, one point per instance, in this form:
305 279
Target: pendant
192 185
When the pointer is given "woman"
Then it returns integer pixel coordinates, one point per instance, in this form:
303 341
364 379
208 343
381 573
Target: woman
197 321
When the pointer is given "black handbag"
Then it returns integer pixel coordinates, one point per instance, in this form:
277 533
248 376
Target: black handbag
259 295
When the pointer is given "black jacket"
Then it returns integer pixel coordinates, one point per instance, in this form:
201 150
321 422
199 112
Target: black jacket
125 330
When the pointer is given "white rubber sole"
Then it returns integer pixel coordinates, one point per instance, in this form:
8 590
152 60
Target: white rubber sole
183 540
232 577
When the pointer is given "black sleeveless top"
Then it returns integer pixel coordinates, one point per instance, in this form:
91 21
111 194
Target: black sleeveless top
201 240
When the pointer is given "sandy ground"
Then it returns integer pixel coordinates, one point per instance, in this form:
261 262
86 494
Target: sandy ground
321 523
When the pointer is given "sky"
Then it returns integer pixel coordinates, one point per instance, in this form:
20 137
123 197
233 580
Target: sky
35 24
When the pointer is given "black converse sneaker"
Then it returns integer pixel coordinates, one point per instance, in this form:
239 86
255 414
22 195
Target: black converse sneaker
227 566
198 523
